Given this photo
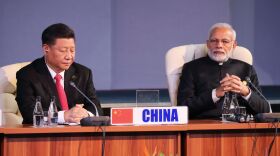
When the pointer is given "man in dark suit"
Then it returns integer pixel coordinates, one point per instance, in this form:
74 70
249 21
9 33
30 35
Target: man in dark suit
51 75
205 81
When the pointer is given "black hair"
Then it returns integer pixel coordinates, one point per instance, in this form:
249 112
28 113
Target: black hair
55 31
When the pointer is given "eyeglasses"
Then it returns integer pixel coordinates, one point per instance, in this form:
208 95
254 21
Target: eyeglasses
223 41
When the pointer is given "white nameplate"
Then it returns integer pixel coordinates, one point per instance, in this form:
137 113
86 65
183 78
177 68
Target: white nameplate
149 115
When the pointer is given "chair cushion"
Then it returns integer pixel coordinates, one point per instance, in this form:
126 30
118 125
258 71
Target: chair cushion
8 103
11 119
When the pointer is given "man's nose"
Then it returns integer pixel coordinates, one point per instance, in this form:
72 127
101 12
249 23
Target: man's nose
68 54
219 43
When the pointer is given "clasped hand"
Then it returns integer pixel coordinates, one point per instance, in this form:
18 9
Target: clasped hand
232 83
75 114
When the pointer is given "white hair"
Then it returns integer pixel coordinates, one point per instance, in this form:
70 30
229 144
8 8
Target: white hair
222 25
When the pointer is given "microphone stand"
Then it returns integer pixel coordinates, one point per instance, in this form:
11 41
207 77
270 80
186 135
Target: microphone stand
264 117
91 120
258 91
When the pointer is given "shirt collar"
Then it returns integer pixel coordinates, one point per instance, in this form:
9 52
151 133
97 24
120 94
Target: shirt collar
220 63
53 73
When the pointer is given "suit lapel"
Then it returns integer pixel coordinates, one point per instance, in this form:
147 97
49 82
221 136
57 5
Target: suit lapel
47 81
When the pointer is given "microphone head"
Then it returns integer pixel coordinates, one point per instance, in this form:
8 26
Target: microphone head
72 84
247 78
73 78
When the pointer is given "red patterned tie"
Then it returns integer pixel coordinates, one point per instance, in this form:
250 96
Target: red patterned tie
61 92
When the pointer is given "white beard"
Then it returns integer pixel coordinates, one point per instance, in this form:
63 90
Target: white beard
221 58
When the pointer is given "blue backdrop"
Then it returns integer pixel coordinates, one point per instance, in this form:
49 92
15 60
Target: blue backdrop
124 41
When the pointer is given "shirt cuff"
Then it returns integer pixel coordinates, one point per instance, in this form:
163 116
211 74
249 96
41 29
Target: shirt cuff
214 97
248 96
61 117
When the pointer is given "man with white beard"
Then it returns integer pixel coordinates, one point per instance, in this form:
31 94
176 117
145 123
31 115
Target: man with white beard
205 81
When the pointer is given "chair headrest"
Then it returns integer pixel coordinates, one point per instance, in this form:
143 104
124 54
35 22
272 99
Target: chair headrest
8 77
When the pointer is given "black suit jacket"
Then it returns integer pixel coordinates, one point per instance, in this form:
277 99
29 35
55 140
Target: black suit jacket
35 80
201 76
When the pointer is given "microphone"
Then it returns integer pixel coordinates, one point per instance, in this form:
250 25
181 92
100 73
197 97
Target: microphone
73 78
93 120
248 80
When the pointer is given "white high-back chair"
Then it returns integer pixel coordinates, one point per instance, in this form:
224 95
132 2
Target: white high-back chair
8 104
176 57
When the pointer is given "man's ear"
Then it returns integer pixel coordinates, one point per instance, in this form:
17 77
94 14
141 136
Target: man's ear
208 44
234 44
46 49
